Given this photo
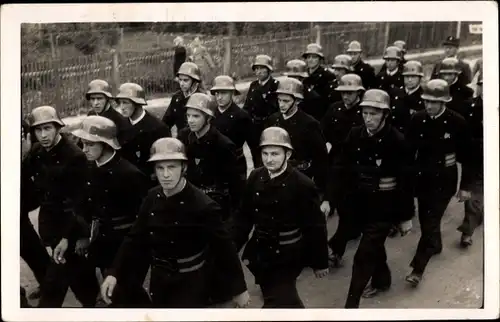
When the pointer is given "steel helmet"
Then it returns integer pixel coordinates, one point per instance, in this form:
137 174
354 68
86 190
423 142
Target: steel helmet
450 65
224 83
202 102
291 86
133 92
342 61
393 52
350 83
401 44
98 86
436 90
44 114
354 47
296 67
263 60
96 128
313 49
376 98
413 68
165 149
275 136
190 69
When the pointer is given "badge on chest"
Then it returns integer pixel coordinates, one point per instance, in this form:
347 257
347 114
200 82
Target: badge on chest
378 162
197 161
447 135
138 154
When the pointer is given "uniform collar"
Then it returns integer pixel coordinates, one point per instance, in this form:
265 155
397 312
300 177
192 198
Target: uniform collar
439 115
134 122
393 72
412 91
289 116
59 138
264 82
272 176
106 161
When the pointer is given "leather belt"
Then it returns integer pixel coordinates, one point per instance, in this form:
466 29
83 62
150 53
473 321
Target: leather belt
284 237
181 265
374 183
387 184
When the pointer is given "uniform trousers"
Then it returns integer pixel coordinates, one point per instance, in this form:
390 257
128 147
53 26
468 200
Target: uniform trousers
32 250
178 290
280 291
370 261
347 229
473 208
431 208
128 293
77 273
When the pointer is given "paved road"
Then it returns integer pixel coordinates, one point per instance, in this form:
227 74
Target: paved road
454 279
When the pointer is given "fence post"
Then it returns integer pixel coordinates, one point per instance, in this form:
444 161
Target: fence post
318 34
227 49
459 29
115 71
57 79
386 34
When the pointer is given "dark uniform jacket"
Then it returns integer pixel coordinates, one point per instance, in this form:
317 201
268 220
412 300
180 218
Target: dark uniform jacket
464 78
237 125
388 82
375 174
310 154
136 142
438 144
474 119
337 123
178 235
261 101
113 195
176 111
414 101
290 229
29 199
335 96
59 178
367 74
460 94
311 104
400 113
321 84
212 164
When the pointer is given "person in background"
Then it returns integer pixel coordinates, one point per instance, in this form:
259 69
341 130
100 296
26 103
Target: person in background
451 47
364 70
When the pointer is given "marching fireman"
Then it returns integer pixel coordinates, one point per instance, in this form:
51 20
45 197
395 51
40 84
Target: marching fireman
451 46
474 206
212 157
113 194
144 129
391 77
401 44
376 163
460 93
413 73
57 168
297 69
310 153
283 205
189 78
31 248
100 98
364 70
232 121
178 231
320 81
341 66
260 101
336 125
439 139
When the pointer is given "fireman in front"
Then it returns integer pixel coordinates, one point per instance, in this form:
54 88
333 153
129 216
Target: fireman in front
290 230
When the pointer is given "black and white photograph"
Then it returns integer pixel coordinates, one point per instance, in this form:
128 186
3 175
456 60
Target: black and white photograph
206 156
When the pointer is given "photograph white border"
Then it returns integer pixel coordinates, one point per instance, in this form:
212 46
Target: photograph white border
13 15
